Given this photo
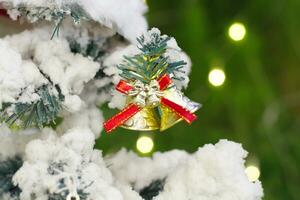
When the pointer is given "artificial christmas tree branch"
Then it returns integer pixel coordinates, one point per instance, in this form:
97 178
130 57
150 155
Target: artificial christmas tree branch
54 167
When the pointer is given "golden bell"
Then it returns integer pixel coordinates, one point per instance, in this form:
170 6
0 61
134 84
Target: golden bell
145 120
170 118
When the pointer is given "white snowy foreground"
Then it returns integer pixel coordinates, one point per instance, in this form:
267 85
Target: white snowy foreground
214 172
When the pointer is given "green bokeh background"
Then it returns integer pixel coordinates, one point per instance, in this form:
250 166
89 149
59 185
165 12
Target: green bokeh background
259 104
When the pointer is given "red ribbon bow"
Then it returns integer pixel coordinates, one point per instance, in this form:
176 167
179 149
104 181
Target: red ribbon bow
133 109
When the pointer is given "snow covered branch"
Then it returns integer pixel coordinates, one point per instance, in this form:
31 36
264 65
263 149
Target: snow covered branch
125 17
58 166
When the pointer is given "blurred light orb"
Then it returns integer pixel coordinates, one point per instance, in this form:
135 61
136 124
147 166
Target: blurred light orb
144 144
237 31
217 77
253 173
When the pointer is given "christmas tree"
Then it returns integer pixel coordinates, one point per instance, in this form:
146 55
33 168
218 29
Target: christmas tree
55 76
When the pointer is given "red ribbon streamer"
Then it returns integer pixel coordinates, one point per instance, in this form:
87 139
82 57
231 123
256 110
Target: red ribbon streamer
3 12
164 81
123 87
132 109
121 117
179 110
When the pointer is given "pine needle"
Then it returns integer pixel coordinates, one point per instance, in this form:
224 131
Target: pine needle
39 113
152 62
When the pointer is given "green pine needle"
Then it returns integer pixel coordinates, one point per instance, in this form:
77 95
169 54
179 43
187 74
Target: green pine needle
156 46
151 191
53 171
40 113
94 49
34 14
7 170
152 62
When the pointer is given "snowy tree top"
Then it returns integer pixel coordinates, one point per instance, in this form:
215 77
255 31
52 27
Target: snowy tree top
125 17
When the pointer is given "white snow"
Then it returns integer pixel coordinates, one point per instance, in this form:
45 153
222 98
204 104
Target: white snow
81 167
16 75
64 68
27 54
125 16
214 172
90 117
13 143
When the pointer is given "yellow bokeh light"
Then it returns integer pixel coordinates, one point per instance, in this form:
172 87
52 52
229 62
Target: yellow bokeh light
237 31
145 144
253 173
217 77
